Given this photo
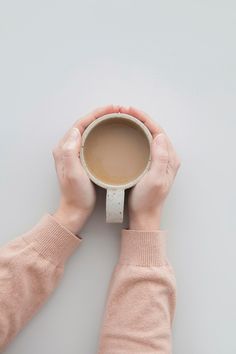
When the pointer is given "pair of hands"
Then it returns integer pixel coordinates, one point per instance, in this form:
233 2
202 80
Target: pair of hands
146 199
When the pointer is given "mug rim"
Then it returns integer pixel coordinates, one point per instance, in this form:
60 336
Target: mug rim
90 127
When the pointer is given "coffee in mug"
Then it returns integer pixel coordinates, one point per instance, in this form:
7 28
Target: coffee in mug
116 151
116 154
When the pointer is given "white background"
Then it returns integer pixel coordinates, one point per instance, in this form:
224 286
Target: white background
174 59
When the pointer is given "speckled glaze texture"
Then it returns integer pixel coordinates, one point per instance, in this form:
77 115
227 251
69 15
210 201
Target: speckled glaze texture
115 205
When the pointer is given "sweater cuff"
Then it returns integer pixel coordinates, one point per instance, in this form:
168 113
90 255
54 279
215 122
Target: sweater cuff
52 240
143 248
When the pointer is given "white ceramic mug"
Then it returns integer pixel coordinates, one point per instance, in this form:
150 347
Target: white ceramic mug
115 193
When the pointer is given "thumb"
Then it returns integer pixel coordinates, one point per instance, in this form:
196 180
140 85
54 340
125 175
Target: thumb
70 149
160 155
71 145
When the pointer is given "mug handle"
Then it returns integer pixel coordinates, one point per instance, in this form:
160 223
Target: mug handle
115 205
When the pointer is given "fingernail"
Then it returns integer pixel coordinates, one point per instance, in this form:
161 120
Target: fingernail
160 139
74 133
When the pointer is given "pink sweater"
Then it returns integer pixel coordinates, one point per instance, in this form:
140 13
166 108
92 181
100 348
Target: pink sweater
141 299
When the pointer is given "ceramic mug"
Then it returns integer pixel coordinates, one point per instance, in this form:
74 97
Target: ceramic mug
115 194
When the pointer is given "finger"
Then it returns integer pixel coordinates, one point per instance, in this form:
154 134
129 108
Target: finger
82 123
155 129
64 138
68 162
143 117
162 160
160 156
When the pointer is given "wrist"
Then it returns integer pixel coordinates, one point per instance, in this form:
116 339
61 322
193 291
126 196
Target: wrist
73 220
145 221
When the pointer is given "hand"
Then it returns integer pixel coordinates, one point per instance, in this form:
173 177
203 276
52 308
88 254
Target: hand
146 199
77 191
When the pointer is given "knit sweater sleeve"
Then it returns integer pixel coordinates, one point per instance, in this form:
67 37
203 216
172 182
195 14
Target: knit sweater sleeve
141 300
30 268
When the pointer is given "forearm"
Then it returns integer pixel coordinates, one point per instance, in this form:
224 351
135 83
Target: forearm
141 301
30 268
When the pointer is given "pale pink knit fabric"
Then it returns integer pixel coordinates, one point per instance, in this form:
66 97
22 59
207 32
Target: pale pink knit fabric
141 299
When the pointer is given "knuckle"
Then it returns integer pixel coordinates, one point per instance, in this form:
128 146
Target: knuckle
163 157
161 186
158 183
71 177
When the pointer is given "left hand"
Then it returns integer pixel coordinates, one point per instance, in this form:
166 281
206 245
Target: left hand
147 197
77 191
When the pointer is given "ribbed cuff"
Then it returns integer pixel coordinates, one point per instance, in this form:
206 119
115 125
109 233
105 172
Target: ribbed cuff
52 240
143 248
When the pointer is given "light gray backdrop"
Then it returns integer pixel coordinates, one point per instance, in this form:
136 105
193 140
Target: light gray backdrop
174 59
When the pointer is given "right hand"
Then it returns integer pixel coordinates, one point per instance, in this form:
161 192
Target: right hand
147 197
77 191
